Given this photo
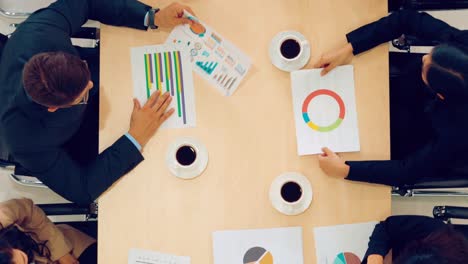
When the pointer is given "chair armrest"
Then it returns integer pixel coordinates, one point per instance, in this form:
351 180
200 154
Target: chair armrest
69 209
435 5
460 181
446 186
87 33
447 212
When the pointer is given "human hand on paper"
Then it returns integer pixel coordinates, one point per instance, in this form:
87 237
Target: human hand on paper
332 164
146 120
68 259
375 259
331 59
172 16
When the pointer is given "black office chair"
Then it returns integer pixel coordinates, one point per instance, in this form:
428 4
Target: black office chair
447 213
427 4
453 186
20 175
89 215
445 185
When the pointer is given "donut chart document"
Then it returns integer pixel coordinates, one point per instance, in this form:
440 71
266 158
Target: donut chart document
325 110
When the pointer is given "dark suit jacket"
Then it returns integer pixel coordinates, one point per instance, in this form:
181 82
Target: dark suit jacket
33 136
447 146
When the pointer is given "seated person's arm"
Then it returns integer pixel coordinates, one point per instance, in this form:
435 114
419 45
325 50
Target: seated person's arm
401 22
423 163
398 231
70 15
386 29
375 259
31 218
76 183
83 184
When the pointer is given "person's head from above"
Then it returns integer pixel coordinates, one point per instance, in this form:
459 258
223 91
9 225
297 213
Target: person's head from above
445 71
445 246
17 247
57 80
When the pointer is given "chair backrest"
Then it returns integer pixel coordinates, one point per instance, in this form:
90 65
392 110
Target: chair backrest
3 40
3 153
427 4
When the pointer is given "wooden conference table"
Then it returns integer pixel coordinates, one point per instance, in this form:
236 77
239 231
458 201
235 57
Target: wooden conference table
250 136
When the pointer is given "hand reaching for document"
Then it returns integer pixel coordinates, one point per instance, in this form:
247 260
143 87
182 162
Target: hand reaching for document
332 164
172 16
331 59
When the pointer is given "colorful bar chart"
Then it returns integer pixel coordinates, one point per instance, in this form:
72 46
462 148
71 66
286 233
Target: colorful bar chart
164 72
168 70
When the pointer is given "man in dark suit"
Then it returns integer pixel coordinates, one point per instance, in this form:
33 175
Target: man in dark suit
45 88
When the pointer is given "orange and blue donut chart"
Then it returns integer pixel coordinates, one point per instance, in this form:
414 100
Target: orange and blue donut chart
198 29
305 112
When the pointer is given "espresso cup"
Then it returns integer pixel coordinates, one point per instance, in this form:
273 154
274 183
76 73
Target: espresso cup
186 155
291 192
290 48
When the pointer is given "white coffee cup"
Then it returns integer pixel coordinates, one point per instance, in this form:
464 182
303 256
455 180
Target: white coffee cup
291 193
290 48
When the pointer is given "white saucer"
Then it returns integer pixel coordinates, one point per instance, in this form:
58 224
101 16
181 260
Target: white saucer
285 207
283 64
193 170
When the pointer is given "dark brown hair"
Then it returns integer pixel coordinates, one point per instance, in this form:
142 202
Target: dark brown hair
13 238
55 79
448 73
446 246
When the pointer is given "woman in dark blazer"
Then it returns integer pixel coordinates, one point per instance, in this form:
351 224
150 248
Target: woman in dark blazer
417 239
429 103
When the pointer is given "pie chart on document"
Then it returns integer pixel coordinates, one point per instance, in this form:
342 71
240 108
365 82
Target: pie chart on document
258 255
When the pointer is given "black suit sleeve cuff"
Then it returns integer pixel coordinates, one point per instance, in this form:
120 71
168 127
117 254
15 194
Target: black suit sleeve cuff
356 172
364 171
355 39
136 15
129 153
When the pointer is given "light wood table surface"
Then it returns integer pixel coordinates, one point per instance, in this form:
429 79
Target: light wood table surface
250 136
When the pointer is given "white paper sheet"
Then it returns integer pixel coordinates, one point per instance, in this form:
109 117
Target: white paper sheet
261 246
325 110
342 244
165 68
140 256
214 58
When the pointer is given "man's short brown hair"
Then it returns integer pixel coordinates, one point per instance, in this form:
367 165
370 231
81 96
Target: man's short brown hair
55 79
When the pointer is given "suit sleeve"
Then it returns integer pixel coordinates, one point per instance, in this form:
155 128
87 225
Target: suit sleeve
31 218
398 231
81 184
423 163
70 15
401 22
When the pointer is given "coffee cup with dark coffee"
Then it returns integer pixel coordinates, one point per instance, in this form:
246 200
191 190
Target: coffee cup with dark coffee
186 155
290 48
291 192
289 51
